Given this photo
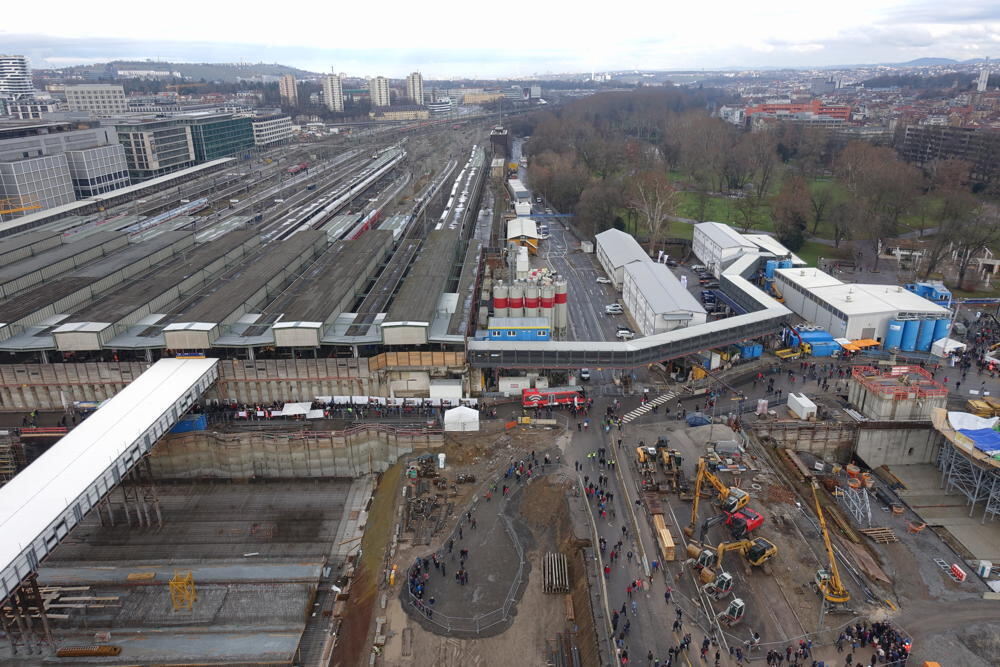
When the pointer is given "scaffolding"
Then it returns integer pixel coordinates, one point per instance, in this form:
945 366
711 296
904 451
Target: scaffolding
182 591
857 502
977 482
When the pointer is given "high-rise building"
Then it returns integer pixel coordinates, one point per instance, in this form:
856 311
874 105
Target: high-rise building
984 77
289 90
15 78
378 88
100 99
333 92
415 88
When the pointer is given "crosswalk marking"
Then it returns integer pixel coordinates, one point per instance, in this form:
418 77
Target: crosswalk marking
648 406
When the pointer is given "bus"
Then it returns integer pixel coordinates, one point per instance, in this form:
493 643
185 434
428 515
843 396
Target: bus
533 398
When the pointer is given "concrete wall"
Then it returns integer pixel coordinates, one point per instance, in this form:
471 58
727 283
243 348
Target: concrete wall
832 441
882 443
242 456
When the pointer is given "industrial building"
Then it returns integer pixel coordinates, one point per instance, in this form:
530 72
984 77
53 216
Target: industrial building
523 232
657 300
716 245
615 249
890 314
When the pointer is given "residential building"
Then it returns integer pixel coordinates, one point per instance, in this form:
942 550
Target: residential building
44 180
734 115
95 171
31 109
615 249
657 300
271 130
333 92
218 135
288 88
15 78
925 144
154 147
415 88
100 99
378 88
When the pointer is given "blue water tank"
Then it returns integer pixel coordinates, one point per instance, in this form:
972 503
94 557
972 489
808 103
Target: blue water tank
785 264
910 330
925 336
769 268
893 335
941 328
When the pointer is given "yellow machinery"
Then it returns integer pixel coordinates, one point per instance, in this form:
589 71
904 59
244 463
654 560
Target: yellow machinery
17 205
756 552
828 579
731 498
182 591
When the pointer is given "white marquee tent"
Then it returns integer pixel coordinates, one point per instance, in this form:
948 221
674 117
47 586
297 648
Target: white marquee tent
461 419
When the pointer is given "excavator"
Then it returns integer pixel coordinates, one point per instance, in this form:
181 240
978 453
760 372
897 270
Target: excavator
731 498
756 552
828 581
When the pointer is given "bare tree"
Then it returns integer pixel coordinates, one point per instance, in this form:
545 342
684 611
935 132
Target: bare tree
655 200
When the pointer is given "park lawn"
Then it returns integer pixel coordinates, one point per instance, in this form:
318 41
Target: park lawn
723 209
811 251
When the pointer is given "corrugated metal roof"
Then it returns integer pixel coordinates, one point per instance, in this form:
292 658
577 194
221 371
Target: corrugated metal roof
723 235
621 248
661 289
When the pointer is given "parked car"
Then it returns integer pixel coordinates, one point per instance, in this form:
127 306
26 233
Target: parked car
584 373
614 309
698 267
712 284
707 297
603 281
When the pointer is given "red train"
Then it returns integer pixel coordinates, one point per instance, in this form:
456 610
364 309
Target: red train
531 398
294 169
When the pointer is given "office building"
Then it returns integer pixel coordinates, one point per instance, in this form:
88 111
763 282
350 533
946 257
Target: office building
95 171
100 99
615 249
333 93
271 130
23 140
43 180
717 245
15 78
440 108
154 147
378 89
657 300
31 109
816 107
289 90
415 88
218 135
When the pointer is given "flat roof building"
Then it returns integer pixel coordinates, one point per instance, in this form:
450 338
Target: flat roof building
99 99
271 130
657 300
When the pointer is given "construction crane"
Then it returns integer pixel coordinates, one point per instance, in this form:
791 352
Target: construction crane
18 205
828 580
756 552
731 498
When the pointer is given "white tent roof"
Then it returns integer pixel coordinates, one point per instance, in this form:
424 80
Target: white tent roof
295 409
461 419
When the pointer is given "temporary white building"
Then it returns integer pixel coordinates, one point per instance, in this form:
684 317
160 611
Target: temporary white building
461 419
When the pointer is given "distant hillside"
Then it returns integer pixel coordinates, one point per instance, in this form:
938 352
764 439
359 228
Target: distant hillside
927 62
227 72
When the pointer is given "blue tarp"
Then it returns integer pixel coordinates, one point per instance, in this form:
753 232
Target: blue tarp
985 439
697 419
191 423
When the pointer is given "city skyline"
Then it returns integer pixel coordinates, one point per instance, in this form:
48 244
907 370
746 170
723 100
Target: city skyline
721 36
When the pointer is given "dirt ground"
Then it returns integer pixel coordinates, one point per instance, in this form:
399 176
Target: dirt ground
542 511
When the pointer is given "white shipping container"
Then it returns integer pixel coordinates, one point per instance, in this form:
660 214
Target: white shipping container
513 385
800 406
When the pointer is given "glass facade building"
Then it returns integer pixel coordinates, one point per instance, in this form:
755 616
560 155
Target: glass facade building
219 136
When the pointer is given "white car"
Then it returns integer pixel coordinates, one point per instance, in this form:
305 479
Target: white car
604 281
625 335
613 309
584 373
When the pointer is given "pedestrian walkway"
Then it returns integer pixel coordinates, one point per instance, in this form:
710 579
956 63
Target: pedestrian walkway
649 405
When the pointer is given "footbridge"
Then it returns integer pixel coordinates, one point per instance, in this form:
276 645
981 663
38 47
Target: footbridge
762 315
43 503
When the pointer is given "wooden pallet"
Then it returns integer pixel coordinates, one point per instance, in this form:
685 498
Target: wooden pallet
881 535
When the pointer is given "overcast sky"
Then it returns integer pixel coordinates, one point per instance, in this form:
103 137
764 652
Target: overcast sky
454 38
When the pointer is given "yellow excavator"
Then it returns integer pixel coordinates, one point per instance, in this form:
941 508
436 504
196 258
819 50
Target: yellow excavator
828 580
709 561
731 498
